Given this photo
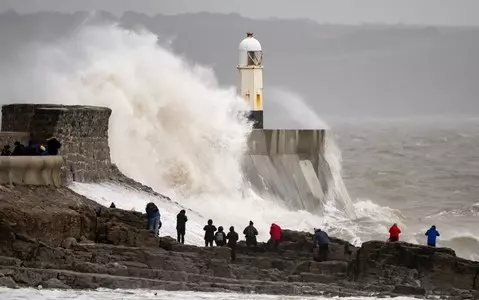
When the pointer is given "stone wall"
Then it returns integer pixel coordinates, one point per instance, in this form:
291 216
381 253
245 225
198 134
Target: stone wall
82 130
31 170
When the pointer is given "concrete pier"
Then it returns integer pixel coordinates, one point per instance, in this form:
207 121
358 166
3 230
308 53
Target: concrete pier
289 166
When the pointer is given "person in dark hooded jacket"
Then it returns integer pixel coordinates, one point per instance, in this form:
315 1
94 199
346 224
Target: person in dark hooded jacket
432 235
6 151
209 233
53 145
250 233
321 239
19 149
181 220
232 240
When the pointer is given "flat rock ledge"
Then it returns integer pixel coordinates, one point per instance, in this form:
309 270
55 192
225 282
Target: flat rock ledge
57 239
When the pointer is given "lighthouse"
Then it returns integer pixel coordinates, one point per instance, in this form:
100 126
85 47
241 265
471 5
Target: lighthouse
251 77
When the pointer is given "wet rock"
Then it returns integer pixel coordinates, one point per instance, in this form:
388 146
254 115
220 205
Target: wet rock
69 243
8 282
54 283
116 251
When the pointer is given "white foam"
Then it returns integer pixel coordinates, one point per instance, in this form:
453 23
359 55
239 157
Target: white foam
34 294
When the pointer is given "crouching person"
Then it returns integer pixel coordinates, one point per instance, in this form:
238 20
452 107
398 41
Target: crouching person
153 218
321 239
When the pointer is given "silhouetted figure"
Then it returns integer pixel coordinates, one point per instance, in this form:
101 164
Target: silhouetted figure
19 149
432 235
181 220
275 232
321 239
232 240
209 233
250 233
53 145
220 237
154 223
394 232
6 150
31 149
112 205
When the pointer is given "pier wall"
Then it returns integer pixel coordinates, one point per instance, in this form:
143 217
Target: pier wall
289 166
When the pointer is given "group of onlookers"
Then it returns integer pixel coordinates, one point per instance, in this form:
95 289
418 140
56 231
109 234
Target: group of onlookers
50 147
217 236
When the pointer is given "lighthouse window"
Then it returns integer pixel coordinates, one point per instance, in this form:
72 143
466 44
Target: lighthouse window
258 101
254 58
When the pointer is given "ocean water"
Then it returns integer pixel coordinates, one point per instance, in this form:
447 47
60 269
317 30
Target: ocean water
34 294
426 169
175 129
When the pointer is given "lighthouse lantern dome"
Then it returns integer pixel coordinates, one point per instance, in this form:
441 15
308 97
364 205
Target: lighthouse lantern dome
250 51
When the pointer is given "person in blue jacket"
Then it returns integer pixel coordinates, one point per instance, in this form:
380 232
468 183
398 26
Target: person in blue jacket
432 234
154 222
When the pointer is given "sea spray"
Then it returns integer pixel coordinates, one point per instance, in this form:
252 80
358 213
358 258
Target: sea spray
172 127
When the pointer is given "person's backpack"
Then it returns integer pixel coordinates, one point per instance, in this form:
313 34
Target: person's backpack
219 237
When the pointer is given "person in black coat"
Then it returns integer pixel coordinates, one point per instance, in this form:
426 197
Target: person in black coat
53 145
209 233
232 240
181 220
19 149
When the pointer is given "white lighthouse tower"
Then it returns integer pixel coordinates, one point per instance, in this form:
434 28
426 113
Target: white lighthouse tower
251 77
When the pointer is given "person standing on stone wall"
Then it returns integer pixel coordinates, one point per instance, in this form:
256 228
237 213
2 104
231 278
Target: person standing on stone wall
394 233
321 239
232 240
275 232
19 149
181 220
53 145
6 150
209 233
250 234
153 218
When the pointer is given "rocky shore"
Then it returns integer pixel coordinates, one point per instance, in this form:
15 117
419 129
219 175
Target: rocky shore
58 239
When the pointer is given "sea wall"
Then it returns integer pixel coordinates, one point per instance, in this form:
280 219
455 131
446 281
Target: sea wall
288 165
82 130
31 170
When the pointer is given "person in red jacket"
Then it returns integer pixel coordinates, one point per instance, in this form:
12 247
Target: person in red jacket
394 232
275 232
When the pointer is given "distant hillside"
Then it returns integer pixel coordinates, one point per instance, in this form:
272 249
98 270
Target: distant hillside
339 70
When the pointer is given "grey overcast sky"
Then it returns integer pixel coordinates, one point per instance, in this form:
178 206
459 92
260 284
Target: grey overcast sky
421 12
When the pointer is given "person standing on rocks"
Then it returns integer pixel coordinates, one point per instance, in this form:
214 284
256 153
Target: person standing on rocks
321 239
232 240
181 220
275 232
250 234
209 233
153 218
432 235
394 232
220 237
